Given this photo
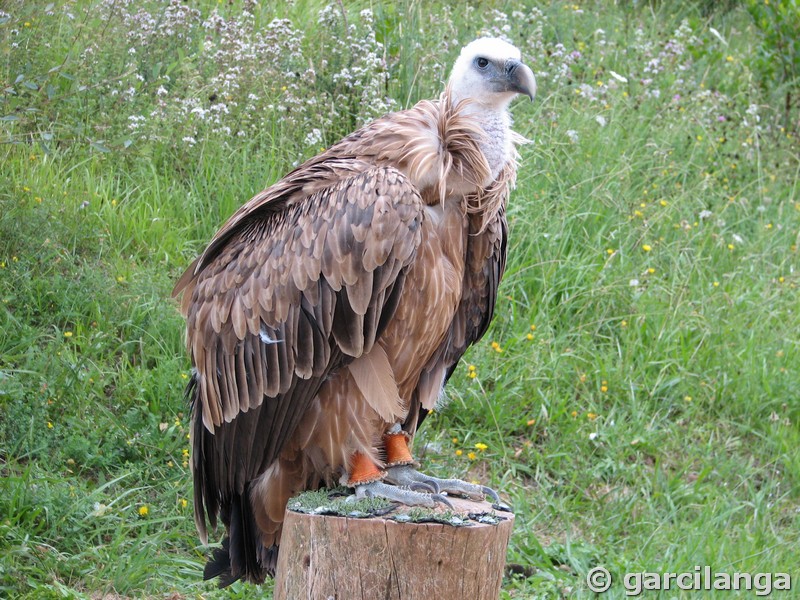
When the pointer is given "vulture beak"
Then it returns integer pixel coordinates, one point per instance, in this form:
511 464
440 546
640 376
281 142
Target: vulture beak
519 78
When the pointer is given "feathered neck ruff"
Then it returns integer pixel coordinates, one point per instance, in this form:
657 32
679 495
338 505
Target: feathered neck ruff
463 136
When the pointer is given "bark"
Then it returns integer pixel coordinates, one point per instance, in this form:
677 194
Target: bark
342 558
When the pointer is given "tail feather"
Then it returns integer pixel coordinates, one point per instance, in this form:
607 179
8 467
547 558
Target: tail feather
219 565
241 555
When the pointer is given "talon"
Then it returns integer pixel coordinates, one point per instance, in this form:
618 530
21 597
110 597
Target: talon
502 507
434 484
442 500
423 486
487 491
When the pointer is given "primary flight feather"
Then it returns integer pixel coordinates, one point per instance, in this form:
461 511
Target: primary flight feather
325 316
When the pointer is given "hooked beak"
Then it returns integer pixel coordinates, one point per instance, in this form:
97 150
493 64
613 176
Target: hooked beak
519 78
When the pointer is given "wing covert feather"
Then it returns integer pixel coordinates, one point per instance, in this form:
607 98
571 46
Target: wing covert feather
289 297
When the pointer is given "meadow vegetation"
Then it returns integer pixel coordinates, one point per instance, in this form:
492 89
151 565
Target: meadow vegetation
637 398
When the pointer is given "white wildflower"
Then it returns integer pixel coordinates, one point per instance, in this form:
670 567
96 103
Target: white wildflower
617 76
314 137
717 35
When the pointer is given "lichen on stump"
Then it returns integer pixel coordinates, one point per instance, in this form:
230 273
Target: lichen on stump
331 548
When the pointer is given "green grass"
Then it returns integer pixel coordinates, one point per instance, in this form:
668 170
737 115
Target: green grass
650 423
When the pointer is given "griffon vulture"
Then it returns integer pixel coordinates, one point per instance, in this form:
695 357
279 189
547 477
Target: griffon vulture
325 316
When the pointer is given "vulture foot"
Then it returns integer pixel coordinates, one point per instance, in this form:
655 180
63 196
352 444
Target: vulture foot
405 495
408 477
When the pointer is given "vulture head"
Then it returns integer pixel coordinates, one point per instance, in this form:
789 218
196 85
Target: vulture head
489 71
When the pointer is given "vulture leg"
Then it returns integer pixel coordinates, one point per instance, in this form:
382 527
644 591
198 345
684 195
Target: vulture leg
406 476
403 495
404 483
366 478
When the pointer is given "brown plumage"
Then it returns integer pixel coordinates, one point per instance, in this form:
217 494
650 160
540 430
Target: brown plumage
335 304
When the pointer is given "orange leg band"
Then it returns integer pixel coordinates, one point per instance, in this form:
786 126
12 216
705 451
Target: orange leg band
363 470
397 452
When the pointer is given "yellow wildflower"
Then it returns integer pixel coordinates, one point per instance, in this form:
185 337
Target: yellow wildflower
144 510
471 456
647 247
481 446
459 452
591 416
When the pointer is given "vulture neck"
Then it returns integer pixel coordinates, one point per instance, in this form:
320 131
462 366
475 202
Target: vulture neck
494 119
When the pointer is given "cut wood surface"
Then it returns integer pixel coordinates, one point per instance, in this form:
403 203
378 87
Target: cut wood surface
326 557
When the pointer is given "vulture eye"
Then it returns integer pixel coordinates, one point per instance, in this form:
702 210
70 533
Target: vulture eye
481 62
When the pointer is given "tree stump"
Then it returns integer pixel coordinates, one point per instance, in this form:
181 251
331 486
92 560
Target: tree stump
329 557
